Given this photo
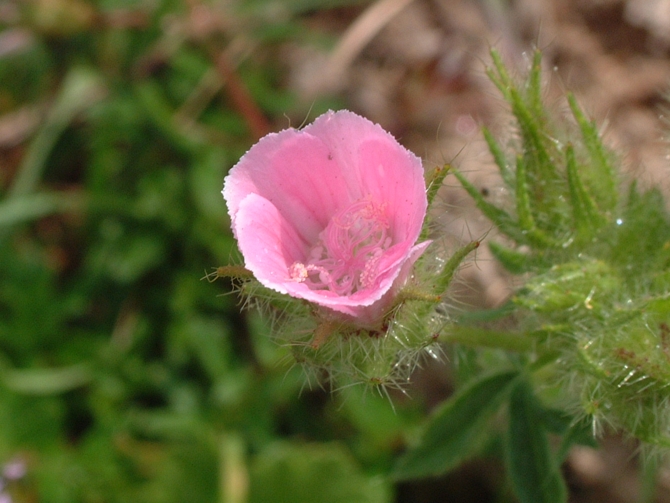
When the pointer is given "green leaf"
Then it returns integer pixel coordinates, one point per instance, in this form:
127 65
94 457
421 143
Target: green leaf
524 210
532 469
602 175
534 86
499 157
515 261
289 473
81 87
585 213
46 381
25 208
498 216
455 432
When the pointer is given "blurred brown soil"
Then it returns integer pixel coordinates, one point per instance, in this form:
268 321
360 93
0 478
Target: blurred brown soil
418 68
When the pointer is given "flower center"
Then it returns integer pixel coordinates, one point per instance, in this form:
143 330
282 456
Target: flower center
346 257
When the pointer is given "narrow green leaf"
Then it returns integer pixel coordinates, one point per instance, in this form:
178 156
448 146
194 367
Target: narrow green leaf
602 179
233 470
532 469
514 261
584 210
535 85
524 210
81 87
455 432
499 158
500 77
498 216
47 381
477 337
433 185
486 315
28 207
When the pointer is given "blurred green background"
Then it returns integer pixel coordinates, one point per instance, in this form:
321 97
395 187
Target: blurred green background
124 374
127 376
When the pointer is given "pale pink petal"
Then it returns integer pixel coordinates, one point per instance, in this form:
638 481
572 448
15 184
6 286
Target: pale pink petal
377 165
370 314
296 173
341 199
344 132
268 243
395 176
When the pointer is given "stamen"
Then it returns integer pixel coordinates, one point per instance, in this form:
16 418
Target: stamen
346 257
298 272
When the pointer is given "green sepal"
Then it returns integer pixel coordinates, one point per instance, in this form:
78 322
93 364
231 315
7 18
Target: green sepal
543 178
642 231
435 182
533 471
456 431
523 210
444 277
534 146
433 185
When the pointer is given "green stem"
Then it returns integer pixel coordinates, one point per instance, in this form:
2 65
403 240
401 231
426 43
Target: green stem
233 271
649 477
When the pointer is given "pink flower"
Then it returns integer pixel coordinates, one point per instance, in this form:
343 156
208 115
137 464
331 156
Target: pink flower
330 213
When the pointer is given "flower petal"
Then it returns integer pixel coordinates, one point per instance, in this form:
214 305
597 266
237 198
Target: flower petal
371 314
293 185
376 164
395 176
297 174
267 241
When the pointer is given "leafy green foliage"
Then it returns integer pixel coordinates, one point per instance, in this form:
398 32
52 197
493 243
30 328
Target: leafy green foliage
595 299
288 473
456 431
532 468
125 377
